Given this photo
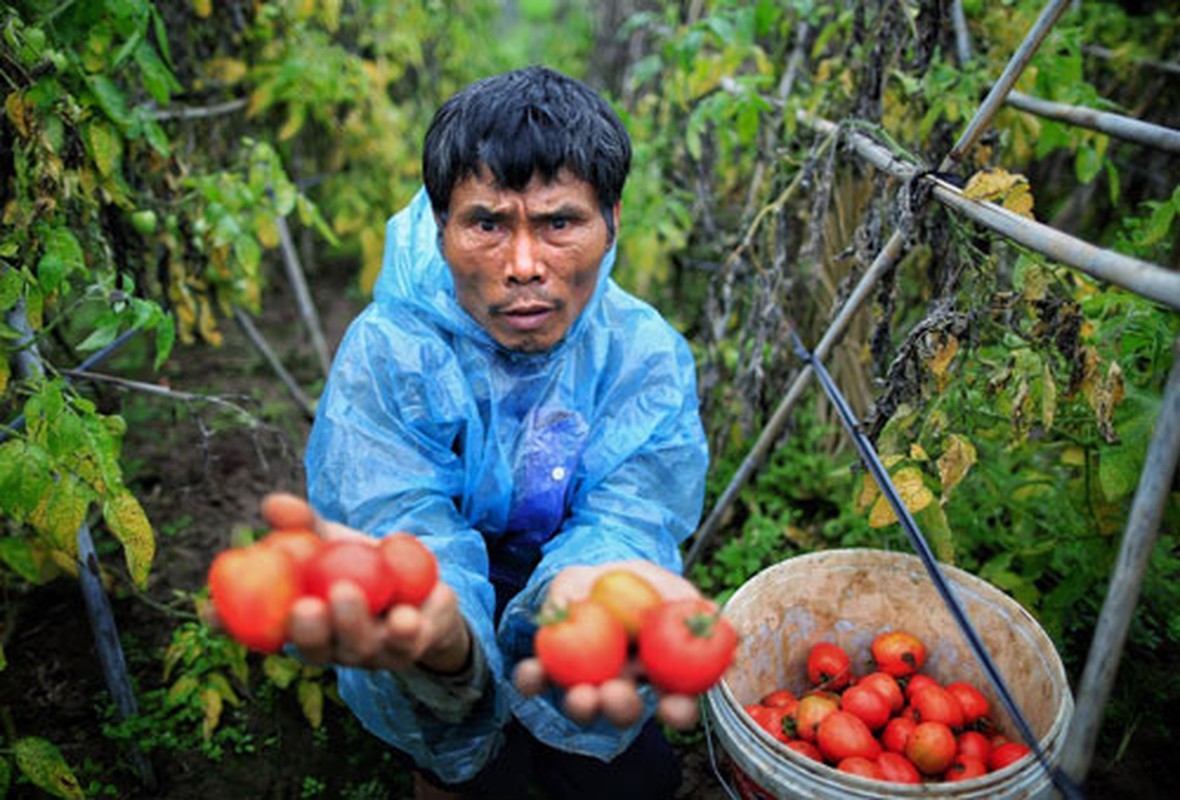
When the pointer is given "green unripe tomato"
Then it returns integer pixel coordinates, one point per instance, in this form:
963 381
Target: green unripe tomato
144 221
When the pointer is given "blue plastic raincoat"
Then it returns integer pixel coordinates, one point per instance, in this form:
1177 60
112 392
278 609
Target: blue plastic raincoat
509 466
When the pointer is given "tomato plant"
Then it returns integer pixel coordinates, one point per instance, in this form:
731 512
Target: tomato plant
685 646
412 565
359 562
581 643
627 595
253 589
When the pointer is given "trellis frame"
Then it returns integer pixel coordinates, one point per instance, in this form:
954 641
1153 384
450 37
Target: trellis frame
1144 278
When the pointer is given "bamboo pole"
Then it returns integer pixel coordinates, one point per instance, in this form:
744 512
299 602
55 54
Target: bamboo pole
1114 622
1126 128
1142 277
260 344
303 295
1012 71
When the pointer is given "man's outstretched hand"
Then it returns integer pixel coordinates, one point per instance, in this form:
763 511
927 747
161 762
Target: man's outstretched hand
341 630
618 699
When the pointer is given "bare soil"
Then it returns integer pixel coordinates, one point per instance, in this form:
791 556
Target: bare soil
201 477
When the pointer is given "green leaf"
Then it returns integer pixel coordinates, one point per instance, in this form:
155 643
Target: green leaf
157 78
42 763
62 255
165 338
110 99
281 670
11 283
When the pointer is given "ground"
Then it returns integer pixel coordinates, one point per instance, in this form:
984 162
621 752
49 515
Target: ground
200 478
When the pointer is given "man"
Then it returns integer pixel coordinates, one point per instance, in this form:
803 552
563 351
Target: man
534 425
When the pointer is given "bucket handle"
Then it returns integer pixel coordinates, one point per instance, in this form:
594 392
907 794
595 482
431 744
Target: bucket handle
717 772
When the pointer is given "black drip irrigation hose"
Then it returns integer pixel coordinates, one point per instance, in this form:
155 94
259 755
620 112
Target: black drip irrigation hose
1069 788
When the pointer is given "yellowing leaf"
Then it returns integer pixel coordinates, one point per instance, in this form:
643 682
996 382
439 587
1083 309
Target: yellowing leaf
61 512
1048 399
918 453
202 8
990 184
911 489
105 145
1020 201
940 362
311 700
42 763
1105 398
281 670
126 519
869 490
958 456
226 70
1073 456
18 113
216 680
211 705
179 692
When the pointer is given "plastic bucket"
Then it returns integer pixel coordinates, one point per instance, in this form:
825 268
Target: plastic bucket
848 597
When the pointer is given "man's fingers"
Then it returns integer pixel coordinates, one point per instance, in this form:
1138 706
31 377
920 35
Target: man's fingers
529 677
355 628
680 711
285 511
582 703
621 704
310 629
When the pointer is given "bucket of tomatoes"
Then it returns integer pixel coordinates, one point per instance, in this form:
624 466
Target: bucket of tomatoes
852 680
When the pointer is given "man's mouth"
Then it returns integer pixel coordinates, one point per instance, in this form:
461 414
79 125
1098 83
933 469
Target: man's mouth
527 316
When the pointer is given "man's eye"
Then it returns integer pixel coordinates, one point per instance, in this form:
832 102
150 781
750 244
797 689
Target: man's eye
486 225
560 223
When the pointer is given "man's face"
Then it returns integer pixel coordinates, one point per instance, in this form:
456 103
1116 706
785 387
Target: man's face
525 263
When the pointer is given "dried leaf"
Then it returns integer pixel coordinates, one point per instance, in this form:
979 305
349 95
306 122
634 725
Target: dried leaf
1020 201
958 456
1105 398
991 184
940 362
911 489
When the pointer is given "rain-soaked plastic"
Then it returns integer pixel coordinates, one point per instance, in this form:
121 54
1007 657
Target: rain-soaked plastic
507 465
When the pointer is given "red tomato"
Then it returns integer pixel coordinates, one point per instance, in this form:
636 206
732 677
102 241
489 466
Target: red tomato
582 643
806 748
931 747
964 768
769 719
887 686
781 697
972 701
898 652
811 712
859 765
360 562
896 768
828 666
974 743
872 707
897 733
685 646
842 735
298 543
914 683
253 589
936 704
413 566
1007 753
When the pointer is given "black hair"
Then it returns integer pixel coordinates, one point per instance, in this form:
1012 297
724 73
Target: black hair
531 121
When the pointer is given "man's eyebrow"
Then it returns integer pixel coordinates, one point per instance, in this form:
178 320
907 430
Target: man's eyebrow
566 210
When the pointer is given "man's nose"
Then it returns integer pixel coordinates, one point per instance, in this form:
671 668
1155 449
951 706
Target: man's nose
525 262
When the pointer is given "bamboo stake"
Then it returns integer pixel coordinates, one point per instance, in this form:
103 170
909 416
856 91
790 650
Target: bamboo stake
1106 646
260 344
303 295
1103 52
1126 128
1142 277
995 98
